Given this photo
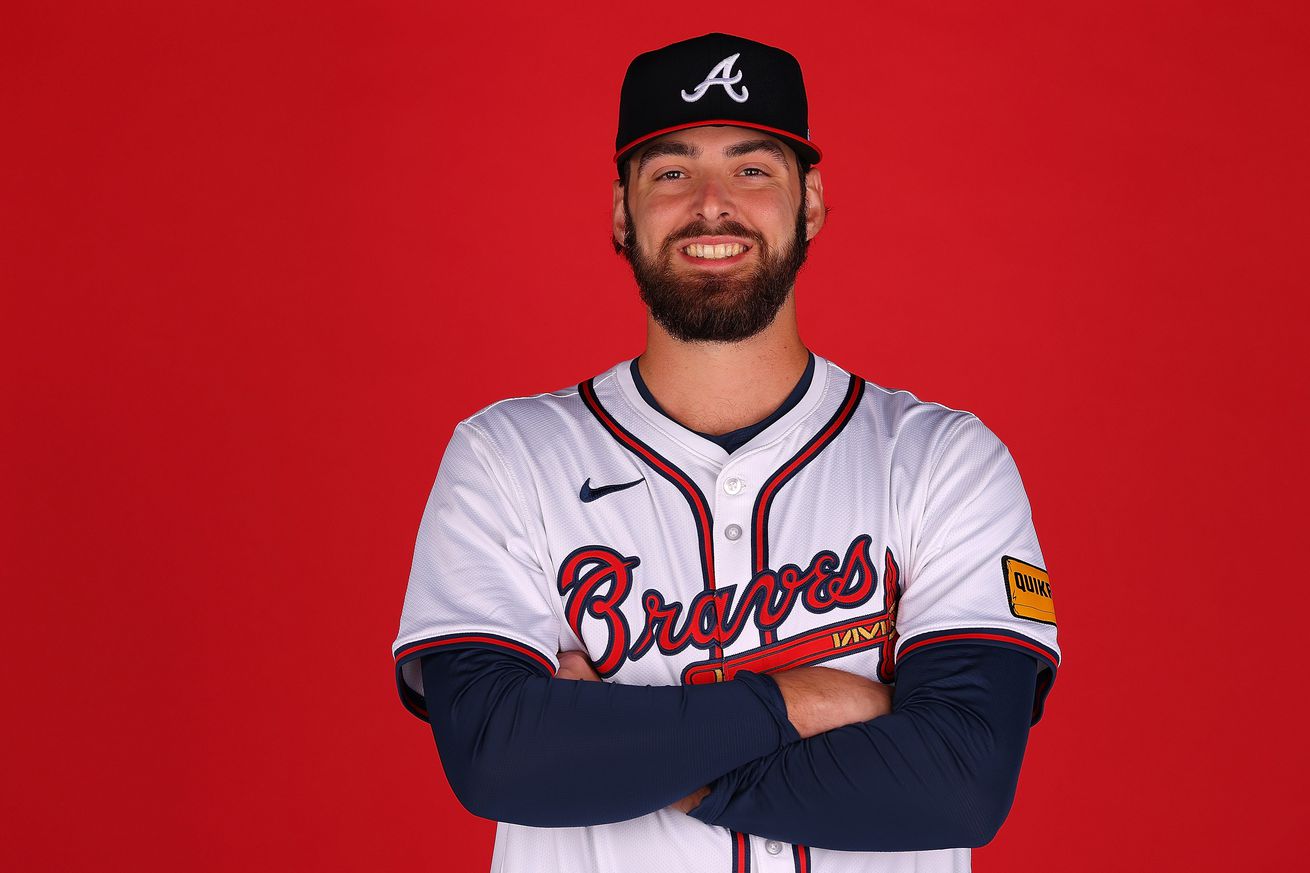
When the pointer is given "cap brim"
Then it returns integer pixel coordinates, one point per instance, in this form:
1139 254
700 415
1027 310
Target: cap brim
807 150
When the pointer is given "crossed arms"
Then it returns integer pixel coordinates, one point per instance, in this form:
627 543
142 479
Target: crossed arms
813 756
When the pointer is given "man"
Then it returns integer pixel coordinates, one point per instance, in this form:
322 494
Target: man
655 619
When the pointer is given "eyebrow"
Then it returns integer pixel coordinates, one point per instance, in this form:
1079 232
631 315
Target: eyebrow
666 147
756 145
675 148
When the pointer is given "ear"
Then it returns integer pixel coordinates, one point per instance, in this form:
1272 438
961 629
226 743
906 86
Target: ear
815 209
619 218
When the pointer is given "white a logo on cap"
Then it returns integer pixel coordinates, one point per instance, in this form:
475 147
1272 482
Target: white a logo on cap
721 75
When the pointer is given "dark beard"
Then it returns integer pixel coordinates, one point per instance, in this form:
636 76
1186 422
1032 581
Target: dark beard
710 307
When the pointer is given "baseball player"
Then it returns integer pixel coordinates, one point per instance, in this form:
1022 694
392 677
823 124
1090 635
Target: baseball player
726 606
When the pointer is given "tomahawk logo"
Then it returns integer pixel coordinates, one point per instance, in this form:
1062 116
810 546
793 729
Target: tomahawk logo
721 75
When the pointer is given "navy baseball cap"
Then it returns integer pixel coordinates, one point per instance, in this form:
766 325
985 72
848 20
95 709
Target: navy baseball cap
714 79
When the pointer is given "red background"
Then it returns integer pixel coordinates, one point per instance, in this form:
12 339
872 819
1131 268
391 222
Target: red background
259 260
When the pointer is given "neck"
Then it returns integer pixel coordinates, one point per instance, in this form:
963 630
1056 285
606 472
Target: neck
715 388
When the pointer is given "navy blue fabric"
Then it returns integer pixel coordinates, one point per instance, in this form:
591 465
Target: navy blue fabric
519 746
735 439
938 772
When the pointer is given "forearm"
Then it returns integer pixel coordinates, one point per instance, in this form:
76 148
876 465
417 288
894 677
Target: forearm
938 772
521 747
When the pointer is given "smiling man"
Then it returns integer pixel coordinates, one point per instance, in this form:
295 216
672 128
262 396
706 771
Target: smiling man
726 606
710 276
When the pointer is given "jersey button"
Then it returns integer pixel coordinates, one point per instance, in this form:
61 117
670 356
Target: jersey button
773 847
733 485
732 531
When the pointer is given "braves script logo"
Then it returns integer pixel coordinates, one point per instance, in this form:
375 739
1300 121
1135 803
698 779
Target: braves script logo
597 580
721 75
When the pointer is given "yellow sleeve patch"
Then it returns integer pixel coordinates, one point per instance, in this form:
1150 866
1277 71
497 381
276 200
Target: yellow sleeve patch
1028 588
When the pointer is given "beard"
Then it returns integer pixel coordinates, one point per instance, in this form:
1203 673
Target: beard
709 307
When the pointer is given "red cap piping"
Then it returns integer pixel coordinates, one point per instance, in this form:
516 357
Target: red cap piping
725 121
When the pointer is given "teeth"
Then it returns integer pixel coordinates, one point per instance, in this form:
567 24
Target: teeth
723 250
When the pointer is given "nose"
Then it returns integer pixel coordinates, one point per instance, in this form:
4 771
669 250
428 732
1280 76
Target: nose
713 200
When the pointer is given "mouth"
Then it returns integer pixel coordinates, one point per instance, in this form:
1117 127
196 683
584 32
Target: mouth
717 252
710 252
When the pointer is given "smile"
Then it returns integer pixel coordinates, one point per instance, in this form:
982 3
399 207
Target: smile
715 252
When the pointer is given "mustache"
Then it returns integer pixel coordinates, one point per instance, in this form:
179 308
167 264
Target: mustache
703 228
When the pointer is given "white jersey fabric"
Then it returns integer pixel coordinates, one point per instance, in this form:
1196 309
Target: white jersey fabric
860 526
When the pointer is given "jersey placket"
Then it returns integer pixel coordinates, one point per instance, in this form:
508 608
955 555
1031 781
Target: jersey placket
736 491
733 499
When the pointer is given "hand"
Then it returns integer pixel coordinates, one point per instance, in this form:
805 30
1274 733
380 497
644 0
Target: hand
691 801
821 699
576 665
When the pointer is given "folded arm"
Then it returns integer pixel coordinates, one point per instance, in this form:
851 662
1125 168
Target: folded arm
939 772
519 746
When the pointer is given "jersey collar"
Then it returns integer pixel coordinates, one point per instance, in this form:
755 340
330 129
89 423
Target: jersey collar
651 417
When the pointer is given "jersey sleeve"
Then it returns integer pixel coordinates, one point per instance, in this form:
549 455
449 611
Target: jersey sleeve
476 578
976 572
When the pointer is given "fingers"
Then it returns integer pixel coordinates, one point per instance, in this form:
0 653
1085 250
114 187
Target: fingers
691 801
576 665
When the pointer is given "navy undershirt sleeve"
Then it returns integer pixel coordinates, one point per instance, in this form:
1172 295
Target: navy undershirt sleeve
939 772
519 746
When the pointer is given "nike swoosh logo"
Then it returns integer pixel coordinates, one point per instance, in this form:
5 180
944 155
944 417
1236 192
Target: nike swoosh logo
589 494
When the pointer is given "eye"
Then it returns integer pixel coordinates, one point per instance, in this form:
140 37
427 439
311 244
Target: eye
755 170
666 174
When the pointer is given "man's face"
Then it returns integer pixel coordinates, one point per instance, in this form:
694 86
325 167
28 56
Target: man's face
716 223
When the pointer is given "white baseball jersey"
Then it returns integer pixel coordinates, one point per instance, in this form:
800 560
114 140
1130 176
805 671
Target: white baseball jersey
860 525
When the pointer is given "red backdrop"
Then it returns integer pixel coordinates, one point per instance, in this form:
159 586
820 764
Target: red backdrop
258 260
